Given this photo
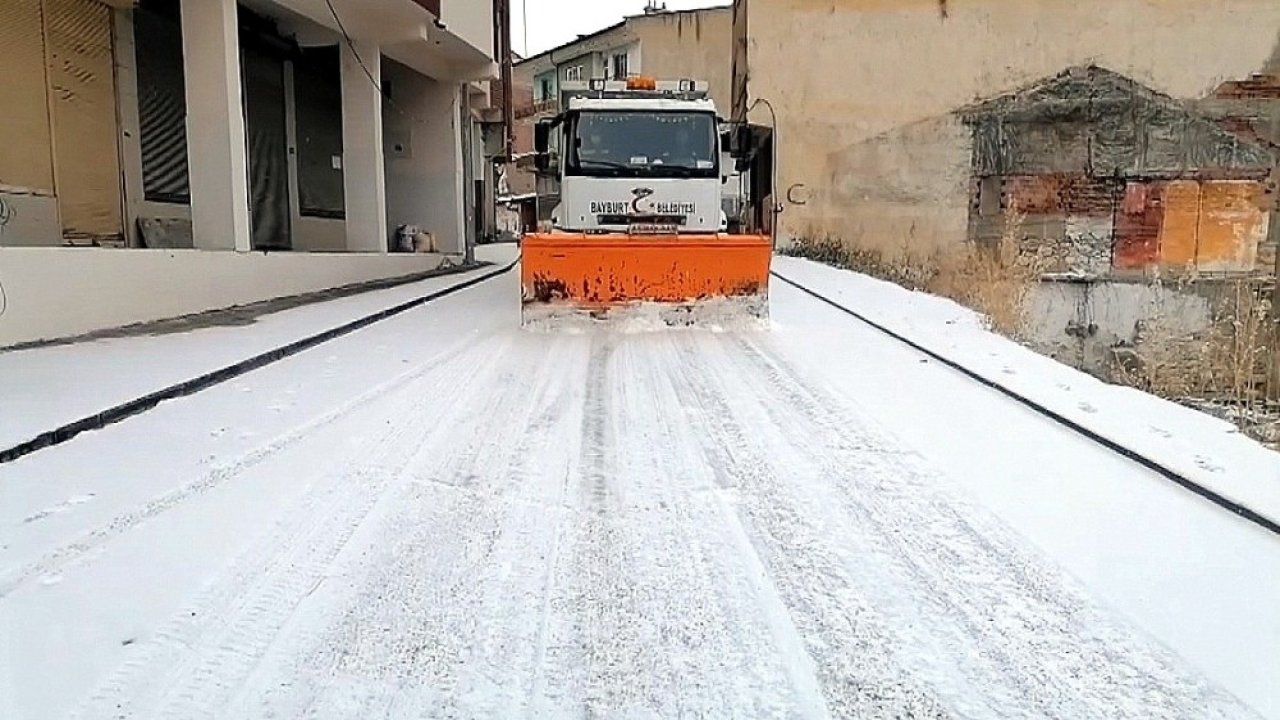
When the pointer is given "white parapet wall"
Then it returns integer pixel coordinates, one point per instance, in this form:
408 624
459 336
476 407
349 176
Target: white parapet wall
49 293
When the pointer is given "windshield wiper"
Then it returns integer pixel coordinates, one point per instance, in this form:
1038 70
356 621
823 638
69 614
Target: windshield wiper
609 164
650 169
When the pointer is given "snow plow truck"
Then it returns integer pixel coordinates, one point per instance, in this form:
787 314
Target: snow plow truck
632 172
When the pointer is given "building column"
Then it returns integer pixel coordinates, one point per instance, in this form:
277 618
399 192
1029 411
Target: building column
363 165
217 157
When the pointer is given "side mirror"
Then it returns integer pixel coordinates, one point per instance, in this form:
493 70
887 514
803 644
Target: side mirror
542 136
544 160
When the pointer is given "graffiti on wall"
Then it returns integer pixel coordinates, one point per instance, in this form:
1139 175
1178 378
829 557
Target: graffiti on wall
7 214
1111 177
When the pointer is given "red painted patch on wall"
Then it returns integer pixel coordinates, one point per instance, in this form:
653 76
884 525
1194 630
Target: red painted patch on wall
1137 244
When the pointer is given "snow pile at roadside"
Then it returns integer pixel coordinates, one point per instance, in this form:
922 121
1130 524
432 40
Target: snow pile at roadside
45 387
717 315
1201 447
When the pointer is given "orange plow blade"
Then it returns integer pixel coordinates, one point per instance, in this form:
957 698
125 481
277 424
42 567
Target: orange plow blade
678 278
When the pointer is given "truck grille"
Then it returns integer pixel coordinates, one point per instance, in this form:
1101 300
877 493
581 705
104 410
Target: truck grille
642 219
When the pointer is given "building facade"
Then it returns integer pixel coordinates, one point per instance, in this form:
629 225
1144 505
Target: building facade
210 125
665 44
1126 137
872 143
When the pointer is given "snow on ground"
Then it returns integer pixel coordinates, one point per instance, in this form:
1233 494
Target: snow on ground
445 516
1208 450
46 387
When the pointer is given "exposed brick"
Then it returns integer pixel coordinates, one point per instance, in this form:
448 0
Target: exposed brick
1138 226
1264 86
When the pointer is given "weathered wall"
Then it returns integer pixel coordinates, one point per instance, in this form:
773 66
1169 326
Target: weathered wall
693 44
865 112
1081 324
57 292
28 219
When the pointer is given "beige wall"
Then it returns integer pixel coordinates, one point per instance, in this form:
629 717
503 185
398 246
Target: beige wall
694 44
28 219
865 89
470 20
57 292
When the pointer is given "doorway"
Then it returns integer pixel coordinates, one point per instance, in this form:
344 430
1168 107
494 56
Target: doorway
264 100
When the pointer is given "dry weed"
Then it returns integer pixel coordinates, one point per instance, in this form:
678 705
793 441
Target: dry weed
996 279
1223 368
1228 368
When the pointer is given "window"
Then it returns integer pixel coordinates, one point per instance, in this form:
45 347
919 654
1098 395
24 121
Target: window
620 66
631 143
573 74
544 89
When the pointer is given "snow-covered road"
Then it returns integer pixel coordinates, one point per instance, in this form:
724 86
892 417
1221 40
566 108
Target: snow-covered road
444 516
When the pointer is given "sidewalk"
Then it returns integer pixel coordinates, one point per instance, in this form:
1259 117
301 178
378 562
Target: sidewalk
1207 450
45 387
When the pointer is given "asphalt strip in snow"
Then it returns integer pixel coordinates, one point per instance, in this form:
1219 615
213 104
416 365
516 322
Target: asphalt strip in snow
137 406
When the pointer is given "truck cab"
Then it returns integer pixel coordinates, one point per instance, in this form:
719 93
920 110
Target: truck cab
633 156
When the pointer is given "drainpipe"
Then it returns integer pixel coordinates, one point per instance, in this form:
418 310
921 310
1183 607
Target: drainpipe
468 175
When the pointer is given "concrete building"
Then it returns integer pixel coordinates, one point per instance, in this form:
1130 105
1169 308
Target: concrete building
167 139
666 44
662 43
1131 136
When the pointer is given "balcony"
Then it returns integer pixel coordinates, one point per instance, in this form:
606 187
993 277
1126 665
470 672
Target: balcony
444 39
544 107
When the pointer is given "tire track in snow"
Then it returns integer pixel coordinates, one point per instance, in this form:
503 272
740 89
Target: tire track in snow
654 612
429 619
196 661
750 649
60 559
850 650
1042 649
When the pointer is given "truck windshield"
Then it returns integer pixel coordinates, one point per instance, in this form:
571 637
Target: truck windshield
631 143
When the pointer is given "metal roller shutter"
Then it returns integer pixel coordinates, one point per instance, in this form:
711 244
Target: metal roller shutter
82 88
26 159
264 99
162 103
